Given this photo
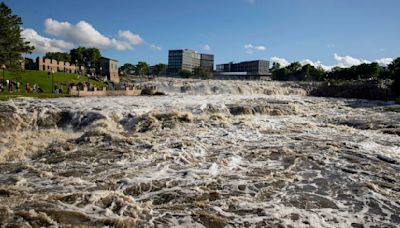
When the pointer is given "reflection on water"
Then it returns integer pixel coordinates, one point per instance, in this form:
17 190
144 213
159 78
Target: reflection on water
209 159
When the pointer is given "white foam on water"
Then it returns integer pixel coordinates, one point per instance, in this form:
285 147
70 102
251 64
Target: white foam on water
307 163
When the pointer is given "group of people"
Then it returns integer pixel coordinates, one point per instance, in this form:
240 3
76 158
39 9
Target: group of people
15 86
82 85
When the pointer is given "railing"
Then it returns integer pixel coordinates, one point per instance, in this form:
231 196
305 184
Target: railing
102 91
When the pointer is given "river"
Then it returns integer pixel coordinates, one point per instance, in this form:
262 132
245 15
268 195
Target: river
208 154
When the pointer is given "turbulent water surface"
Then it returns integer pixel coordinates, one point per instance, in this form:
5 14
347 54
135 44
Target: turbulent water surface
209 154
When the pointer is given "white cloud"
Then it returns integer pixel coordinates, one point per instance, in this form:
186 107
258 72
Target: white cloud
155 47
120 45
331 45
251 48
84 34
258 48
384 61
348 61
43 44
315 64
206 47
251 1
283 62
133 38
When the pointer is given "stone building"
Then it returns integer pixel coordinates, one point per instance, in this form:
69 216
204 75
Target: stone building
109 68
50 65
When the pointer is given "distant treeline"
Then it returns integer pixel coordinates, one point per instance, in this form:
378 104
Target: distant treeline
388 75
372 71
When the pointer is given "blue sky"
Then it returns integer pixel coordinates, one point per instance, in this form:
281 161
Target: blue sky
234 30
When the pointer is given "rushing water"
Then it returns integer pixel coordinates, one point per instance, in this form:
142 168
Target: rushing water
210 154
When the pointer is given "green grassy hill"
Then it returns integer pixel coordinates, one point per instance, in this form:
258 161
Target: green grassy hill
44 81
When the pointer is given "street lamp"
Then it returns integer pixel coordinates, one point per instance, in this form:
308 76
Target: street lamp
4 68
76 66
52 81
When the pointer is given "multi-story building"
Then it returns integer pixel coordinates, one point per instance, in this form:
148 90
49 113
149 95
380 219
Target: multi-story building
189 60
207 62
257 69
108 67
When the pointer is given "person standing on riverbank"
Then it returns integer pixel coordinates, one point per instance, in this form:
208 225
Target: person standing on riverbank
27 88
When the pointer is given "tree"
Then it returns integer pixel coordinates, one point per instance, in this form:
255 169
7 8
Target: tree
77 56
92 57
12 45
185 73
305 73
59 56
87 57
275 66
367 71
297 72
318 74
202 72
127 69
294 67
159 68
281 74
142 68
394 69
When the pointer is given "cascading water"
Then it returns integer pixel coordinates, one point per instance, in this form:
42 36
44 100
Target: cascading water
209 154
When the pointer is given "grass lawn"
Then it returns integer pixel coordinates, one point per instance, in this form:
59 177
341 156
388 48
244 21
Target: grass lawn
44 81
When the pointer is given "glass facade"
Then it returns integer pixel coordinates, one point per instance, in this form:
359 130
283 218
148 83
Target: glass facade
257 67
188 60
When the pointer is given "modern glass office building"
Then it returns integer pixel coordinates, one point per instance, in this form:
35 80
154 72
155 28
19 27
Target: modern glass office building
189 60
207 62
256 67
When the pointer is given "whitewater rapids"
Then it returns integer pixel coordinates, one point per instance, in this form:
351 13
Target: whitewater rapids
209 154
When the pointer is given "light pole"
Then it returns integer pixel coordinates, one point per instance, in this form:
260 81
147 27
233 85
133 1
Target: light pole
52 81
90 69
4 68
76 66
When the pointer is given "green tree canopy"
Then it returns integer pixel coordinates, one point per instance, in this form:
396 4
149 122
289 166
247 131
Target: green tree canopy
12 45
142 68
92 56
394 69
202 73
127 69
159 68
294 67
185 73
59 56
297 72
85 56
363 71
